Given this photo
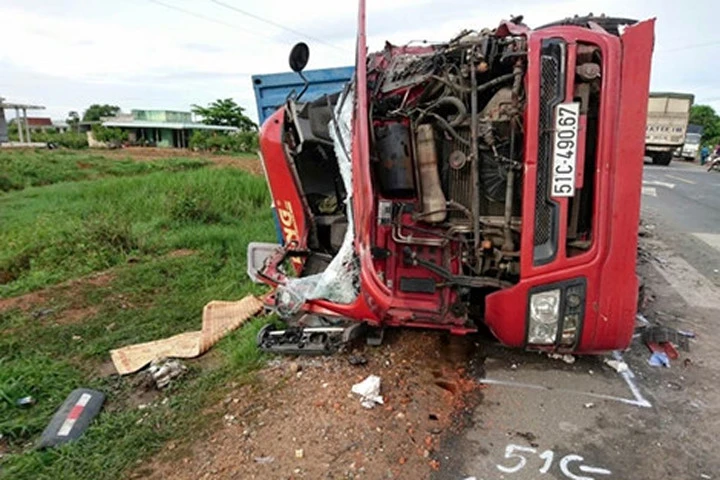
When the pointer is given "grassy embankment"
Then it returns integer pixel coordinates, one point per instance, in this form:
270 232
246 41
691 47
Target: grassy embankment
168 236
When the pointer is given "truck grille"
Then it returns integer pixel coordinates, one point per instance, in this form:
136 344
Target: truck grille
551 93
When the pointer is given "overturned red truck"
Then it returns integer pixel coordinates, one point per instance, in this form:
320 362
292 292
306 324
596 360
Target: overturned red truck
493 180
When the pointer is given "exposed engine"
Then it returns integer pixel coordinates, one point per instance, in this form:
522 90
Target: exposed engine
447 141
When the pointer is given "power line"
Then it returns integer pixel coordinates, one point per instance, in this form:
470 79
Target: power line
275 24
206 18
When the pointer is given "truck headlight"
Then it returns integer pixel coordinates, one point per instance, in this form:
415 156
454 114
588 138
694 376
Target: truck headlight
544 316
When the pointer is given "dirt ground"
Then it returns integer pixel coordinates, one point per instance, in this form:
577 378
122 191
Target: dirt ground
299 419
248 163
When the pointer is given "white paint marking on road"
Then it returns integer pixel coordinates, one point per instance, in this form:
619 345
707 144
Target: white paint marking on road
506 383
712 239
629 378
599 471
691 285
658 183
650 191
680 179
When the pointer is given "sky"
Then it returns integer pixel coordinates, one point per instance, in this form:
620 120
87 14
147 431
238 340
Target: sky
170 54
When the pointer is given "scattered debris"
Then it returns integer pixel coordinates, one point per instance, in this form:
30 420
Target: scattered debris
218 319
618 365
164 371
659 359
357 360
513 366
73 417
264 460
589 405
25 402
299 453
641 321
42 312
294 368
686 333
567 358
660 334
369 391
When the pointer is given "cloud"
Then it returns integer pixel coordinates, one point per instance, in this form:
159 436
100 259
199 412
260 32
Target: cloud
204 48
145 55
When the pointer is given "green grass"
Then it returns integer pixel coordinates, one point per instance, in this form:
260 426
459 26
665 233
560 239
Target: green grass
67 230
130 225
24 168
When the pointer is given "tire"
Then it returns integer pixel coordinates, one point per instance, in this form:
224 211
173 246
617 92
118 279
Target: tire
662 158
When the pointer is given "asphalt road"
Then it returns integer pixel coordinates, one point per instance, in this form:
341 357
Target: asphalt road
682 201
543 418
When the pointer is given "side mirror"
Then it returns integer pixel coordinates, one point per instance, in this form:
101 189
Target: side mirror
299 56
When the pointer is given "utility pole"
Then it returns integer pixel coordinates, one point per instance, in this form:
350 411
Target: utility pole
3 123
27 125
18 121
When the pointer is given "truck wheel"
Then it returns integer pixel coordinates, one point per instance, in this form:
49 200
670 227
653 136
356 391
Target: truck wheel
662 158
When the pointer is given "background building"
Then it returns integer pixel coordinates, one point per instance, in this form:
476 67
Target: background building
161 128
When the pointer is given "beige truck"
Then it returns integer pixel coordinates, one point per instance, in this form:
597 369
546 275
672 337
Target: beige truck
667 122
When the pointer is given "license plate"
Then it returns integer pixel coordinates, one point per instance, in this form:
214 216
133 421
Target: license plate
565 147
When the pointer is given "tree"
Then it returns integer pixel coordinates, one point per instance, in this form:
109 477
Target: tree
227 113
95 111
73 120
705 116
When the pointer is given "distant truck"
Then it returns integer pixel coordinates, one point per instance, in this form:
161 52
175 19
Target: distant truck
690 150
667 122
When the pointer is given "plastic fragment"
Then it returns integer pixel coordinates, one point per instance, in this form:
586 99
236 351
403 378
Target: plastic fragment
567 358
369 391
659 359
618 365
25 402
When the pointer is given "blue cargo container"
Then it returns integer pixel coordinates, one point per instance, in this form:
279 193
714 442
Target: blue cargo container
271 90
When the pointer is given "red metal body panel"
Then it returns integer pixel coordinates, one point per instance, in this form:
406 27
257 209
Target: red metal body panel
283 184
608 266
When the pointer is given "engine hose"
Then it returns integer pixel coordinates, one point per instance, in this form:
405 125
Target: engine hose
480 88
458 104
459 280
448 128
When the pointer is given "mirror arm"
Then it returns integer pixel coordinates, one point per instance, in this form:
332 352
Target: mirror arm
307 84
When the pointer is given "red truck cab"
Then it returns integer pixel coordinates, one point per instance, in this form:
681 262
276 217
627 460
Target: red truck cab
493 179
